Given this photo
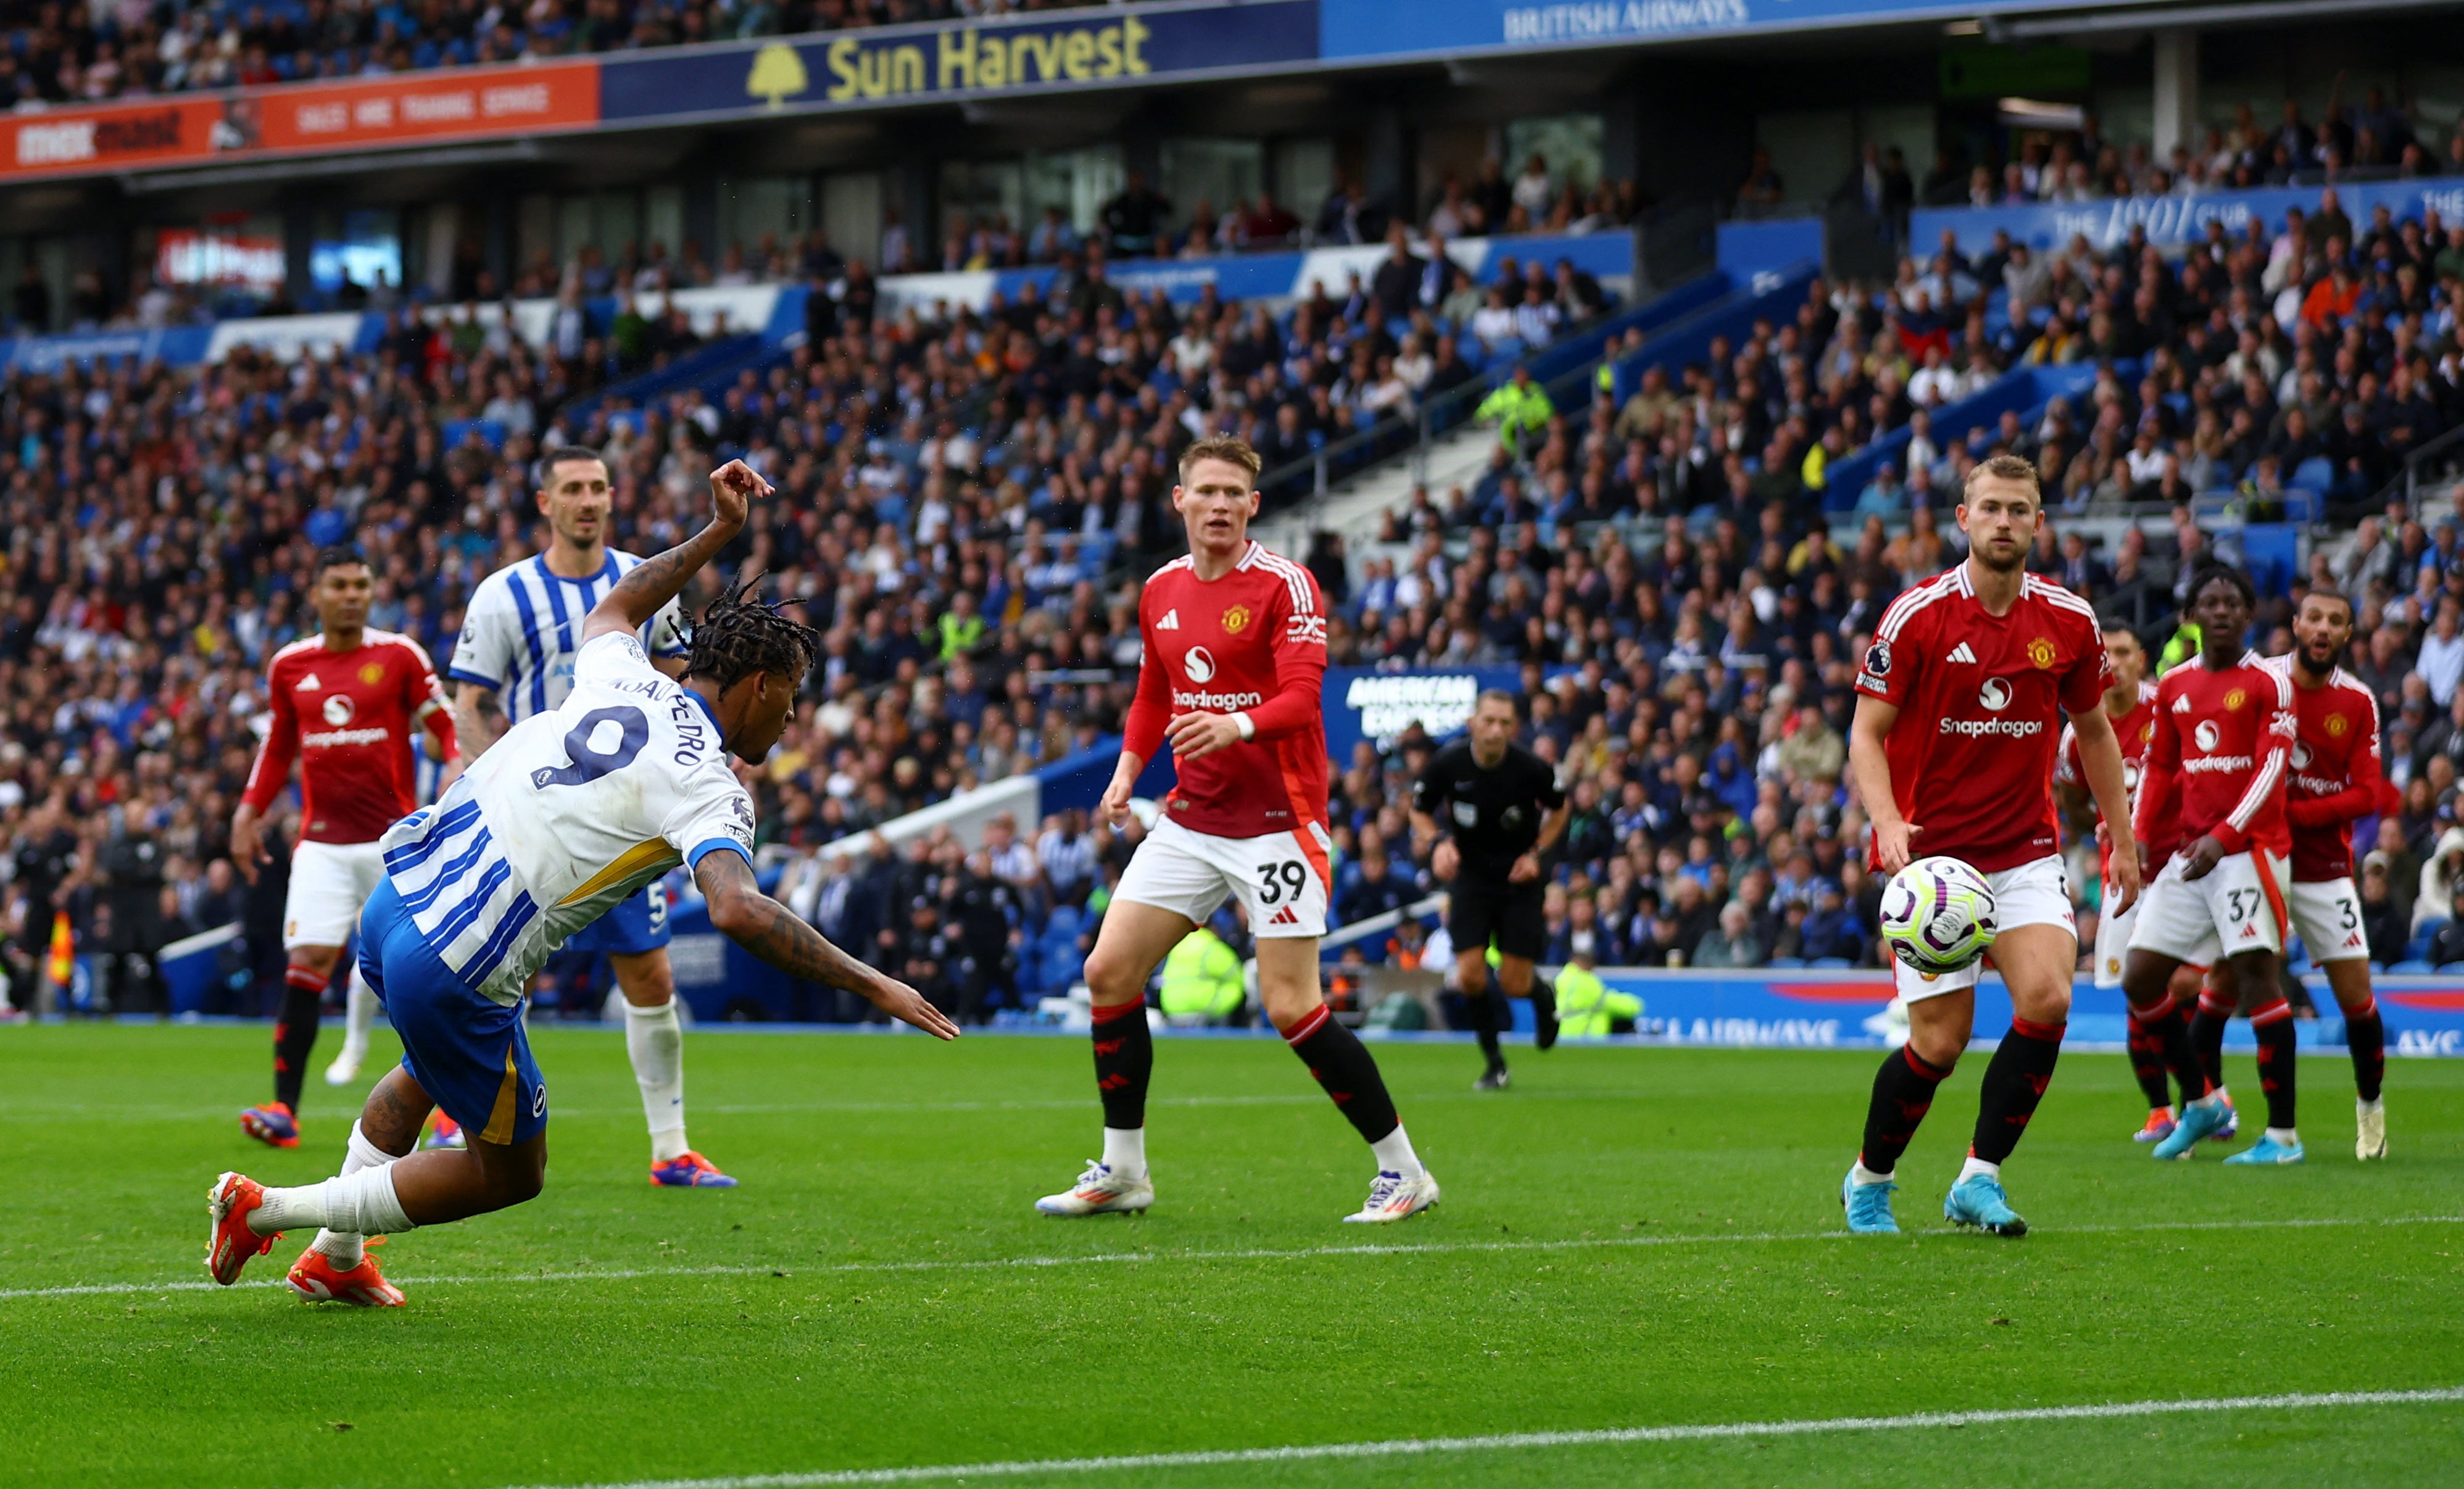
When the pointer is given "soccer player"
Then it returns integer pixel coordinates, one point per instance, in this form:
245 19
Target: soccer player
1235 653
2130 704
1503 810
2224 731
344 703
1962 696
563 819
2336 778
518 639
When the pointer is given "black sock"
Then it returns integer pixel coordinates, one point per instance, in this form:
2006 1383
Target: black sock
1544 1012
2276 1061
1343 1066
2014 1083
2171 1033
2147 1064
2207 1034
1903 1094
2366 1037
295 1033
1484 1004
1124 1063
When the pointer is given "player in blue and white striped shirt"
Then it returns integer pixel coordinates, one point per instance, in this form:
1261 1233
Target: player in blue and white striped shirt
566 817
519 634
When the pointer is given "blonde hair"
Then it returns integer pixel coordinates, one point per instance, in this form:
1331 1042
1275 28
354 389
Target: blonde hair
2004 468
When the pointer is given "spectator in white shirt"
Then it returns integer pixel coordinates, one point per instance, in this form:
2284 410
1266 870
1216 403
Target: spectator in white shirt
2441 663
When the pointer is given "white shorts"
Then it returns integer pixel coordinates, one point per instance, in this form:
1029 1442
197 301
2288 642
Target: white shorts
329 884
2113 942
2033 893
2327 916
2237 907
1281 878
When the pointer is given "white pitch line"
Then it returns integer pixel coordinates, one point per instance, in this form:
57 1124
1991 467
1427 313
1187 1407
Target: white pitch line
1245 1254
1407 1447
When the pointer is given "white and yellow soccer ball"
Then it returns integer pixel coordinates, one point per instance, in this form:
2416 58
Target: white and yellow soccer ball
1938 914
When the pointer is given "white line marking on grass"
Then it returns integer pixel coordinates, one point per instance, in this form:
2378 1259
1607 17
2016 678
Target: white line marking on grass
1406 1447
1243 1254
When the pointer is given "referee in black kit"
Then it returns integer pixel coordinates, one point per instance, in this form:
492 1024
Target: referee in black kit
1493 808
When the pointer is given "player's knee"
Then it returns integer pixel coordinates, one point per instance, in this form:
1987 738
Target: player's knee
648 983
1939 1048
319 959
1111 976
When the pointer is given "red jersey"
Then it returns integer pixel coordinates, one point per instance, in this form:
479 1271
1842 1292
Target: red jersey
2222 739
347 716
2132 732
1253 641
1981 699
2336 775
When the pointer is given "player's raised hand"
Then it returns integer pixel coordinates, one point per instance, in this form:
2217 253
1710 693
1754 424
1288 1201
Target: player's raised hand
1892 842
734 487
907 1006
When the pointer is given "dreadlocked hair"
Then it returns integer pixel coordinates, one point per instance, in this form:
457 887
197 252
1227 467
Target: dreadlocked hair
739 634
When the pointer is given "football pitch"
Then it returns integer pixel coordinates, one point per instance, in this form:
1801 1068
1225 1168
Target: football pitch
1637 1275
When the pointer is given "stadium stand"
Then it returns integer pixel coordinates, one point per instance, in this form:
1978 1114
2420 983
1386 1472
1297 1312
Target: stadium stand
1677 545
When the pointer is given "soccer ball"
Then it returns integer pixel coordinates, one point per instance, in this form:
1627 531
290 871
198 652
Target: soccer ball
1938 914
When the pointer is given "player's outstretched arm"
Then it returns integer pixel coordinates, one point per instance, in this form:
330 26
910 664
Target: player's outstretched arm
655 581
741 913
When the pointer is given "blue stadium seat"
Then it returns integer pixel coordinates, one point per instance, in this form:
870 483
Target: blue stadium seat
2412 964
1786 962
2314 474
1832 963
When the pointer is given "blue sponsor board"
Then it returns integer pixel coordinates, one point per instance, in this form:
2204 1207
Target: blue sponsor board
2172 221
1362 703
1110 47
1368 30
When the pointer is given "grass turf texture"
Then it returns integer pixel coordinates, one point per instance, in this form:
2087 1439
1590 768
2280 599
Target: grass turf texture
1588 1269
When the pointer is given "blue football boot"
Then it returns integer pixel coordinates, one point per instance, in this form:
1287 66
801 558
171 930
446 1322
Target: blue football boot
2202 1118
2267 1149
1978 1201
1868 1206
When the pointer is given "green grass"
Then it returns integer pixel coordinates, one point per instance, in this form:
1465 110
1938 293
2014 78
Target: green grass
775 1329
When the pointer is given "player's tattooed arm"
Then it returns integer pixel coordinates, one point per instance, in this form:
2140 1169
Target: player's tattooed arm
478 722
655 581
740 911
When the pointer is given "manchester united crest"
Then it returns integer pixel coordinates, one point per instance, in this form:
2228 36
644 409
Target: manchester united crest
2040 651
2337 724
371 674
1236 620
2235 700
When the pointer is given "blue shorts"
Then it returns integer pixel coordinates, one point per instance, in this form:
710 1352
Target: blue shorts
471 1054
638 925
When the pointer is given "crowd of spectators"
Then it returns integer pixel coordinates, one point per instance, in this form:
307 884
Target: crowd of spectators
966 502
2375 140
2314 353
63 52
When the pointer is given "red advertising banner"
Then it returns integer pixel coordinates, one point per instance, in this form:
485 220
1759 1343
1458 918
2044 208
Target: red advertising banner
459 103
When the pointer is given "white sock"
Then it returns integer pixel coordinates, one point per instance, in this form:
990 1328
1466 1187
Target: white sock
1865 1176
345 1248
361 1014
2285 1137
1395 1155
1124 1151
656 1043
2219 1097
1974 1165
361 1203
2359 1105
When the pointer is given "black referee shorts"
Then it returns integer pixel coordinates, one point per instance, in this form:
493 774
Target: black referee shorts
1481 905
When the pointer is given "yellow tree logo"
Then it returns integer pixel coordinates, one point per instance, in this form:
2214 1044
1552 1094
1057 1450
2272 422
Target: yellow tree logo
778 74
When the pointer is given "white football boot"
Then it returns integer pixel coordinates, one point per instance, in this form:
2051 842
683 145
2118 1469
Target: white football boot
1101 1191
1394 1197
2371 1118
